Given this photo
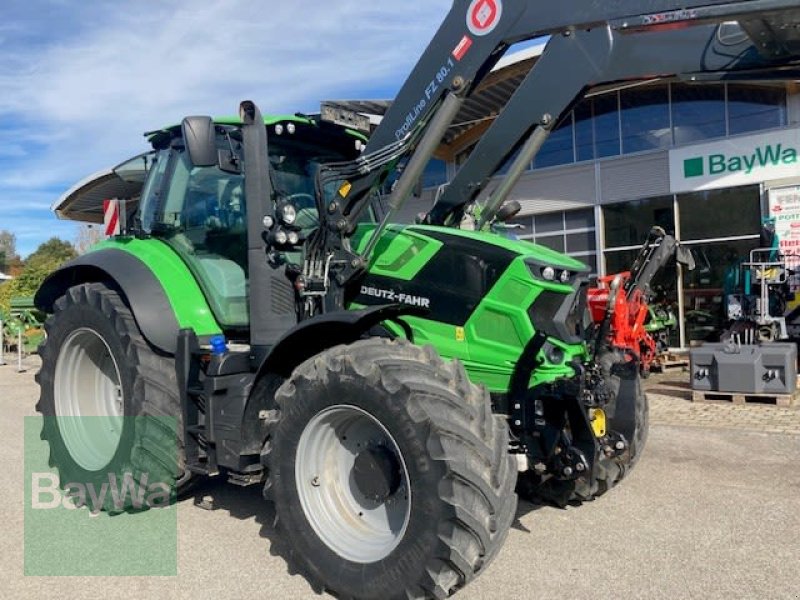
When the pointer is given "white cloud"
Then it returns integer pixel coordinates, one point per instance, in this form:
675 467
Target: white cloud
82 81
147 65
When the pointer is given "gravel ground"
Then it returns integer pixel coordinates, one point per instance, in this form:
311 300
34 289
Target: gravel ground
712 511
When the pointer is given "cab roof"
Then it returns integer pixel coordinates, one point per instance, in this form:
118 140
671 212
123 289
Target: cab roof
156 136
83 202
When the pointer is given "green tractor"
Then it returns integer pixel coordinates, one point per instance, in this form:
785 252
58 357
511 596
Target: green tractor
388 386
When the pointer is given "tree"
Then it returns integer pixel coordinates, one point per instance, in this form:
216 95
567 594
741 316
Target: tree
52 252
8 248
47 258
88 236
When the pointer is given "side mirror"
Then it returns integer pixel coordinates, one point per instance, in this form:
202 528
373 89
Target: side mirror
508 211
685 258
198 136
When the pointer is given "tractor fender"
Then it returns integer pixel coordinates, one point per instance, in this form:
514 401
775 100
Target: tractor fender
314 335
307 339
142 291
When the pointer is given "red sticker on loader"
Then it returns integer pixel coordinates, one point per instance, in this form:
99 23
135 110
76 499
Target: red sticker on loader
483 16
462 48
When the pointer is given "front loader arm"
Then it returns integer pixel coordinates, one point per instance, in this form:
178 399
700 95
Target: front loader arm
593 43
475 34
571 64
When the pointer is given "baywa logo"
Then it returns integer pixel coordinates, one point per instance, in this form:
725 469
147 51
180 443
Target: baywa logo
83 517
117 493
769 155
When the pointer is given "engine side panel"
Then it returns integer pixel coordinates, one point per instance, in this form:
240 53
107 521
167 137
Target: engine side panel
477 290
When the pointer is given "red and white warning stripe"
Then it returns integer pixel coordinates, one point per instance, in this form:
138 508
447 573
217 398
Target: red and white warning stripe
111 221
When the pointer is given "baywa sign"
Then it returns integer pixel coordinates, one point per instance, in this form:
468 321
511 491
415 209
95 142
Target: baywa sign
735 161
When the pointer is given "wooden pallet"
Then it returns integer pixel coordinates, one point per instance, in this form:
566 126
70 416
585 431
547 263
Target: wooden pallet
746 398
670 362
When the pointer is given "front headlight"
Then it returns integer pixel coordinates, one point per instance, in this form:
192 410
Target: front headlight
288 214
280 237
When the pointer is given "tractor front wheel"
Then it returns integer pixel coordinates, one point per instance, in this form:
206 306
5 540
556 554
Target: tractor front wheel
389 473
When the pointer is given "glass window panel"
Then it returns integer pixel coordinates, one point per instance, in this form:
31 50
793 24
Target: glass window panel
549 222
206 224
590 261
620 260
720 213
558 149
704 287
628 224
554 242
584 136
606 125
579 219
581 242
522 227
698 112
645 118
503 169
751 107
435 173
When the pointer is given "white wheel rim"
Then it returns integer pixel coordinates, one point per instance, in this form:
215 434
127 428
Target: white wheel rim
88 399
357 528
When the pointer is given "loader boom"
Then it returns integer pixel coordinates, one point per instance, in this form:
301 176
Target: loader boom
591 44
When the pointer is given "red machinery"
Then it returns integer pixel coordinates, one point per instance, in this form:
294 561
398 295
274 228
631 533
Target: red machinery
626 326
619 303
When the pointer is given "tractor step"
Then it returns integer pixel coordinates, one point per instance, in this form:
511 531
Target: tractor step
246 479
199 446
200 468
788 400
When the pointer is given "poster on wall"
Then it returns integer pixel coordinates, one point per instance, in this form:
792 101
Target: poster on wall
784 207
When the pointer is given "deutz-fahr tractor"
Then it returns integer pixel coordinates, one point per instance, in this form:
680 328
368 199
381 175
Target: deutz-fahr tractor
387 385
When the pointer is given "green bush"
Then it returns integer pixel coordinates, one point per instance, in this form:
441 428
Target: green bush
46 259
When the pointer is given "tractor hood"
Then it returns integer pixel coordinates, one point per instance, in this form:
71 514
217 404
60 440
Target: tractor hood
401 242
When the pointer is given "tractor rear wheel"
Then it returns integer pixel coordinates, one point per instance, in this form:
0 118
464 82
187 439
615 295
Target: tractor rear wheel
389 473
109 400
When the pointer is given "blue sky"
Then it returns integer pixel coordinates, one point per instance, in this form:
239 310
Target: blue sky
81 81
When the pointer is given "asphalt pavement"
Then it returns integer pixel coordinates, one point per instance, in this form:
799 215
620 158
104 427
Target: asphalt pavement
711 511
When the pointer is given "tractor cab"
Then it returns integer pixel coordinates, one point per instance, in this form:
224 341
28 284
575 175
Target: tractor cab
200 212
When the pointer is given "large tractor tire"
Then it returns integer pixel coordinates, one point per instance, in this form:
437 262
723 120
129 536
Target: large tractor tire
389 473
631 418
97 373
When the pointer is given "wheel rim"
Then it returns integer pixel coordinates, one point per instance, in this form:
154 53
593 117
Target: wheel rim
345 509
88 399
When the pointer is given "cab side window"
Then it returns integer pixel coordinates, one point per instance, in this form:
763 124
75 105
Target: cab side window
204 220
